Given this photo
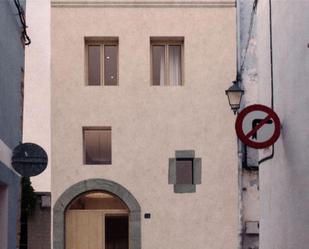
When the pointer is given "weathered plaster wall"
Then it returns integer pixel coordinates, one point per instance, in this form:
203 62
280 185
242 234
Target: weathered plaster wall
284 180
249 76
150 123
36 126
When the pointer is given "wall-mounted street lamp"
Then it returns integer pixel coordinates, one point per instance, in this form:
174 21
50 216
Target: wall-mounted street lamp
234 95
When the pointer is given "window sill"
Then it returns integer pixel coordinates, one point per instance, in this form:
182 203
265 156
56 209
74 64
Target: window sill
184 188
94 164
167 85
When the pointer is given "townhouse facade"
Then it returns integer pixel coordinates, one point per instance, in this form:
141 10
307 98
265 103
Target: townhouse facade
142 143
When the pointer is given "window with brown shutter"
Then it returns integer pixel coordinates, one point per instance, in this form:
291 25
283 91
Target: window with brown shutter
101 61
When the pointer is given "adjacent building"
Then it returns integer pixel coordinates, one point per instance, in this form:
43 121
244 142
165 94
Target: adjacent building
275 73
36 125
143 147
284 180
141 144
11 111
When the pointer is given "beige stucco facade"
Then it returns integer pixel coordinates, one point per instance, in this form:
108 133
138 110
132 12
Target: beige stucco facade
149 123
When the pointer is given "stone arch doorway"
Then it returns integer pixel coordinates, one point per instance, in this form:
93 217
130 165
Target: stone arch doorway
96 185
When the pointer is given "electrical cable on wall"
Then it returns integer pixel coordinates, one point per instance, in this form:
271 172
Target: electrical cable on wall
21 15
241 69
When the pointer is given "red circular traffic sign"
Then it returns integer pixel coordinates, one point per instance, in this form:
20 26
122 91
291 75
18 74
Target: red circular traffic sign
252 121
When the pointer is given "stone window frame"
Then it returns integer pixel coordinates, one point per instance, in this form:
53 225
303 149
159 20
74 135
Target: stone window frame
196 168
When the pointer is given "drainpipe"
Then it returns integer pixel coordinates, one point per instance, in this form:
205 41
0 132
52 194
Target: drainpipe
271 76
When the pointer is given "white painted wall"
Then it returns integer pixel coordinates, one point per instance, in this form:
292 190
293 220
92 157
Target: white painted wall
247 67
36 127
284 180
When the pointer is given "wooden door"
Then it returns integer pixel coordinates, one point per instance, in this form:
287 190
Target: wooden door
84 229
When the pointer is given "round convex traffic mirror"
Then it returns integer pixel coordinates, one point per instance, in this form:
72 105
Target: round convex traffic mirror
29 159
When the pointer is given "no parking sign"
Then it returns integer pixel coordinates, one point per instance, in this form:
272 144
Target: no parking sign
258 126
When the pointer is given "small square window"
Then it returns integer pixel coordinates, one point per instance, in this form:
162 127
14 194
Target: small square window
97 145
102 61
184 171
167 61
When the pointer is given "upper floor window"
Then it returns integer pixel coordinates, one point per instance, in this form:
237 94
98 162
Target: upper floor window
167 61
102 61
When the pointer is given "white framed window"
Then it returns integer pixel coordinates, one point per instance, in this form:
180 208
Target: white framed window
167 61
101 61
